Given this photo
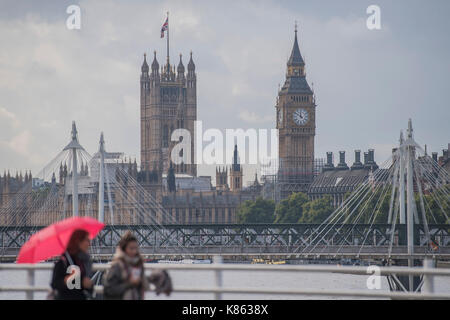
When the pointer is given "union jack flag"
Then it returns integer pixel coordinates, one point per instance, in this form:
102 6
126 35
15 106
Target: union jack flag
165 27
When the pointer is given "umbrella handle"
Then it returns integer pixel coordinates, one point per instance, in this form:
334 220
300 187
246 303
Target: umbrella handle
98 275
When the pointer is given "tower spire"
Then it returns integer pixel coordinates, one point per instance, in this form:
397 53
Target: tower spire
296 58
236 164
180 69
144 67
295 75
155 64
191 66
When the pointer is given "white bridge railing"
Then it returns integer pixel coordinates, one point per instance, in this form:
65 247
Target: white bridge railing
219 268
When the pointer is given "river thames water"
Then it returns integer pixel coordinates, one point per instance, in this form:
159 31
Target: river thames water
253 279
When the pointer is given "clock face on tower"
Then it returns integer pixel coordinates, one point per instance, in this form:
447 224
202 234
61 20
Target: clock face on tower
300 117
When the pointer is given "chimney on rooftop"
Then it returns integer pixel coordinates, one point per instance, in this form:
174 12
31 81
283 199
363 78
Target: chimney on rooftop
357 164
342 165
369 160
329 165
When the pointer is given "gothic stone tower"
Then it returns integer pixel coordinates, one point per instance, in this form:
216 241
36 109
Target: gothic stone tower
236 172
168 102
296 122
222 179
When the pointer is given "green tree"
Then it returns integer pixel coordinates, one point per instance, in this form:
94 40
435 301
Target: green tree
317 211
290 210
381 207
435 205
258 211
369 206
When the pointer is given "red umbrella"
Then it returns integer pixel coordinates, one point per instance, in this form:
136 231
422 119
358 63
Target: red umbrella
53 240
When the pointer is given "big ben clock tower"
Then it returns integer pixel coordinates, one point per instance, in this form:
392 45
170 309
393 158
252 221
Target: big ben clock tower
296 124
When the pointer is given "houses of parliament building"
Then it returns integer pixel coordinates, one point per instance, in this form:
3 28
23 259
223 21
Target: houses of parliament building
169 101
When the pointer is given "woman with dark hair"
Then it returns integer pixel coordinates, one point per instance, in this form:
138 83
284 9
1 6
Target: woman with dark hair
70 280
126 279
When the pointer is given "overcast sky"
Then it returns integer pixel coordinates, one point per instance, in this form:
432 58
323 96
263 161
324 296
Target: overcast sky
367 83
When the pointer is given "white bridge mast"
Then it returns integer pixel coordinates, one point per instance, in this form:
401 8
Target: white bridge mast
74 146
101 182
406 157
410 207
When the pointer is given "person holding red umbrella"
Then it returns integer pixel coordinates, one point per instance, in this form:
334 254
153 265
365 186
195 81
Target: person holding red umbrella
70 239
71 274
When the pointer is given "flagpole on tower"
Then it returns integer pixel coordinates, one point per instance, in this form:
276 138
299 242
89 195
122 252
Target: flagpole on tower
167 38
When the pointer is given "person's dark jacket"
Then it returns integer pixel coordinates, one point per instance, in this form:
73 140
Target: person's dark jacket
62 292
